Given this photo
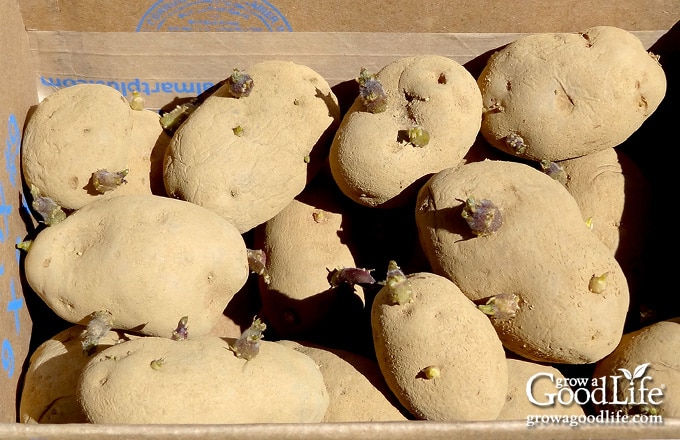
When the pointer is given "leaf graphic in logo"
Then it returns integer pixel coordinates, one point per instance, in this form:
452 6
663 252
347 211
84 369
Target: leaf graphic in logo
626 373
639 371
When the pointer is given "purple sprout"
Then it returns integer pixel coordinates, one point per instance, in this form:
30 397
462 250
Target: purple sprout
555 170
181 333
515 143
483 217
48 209
247 346
240 84
371 92
105 180
257 263
350 276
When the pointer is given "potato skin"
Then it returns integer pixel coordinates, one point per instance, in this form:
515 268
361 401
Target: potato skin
356 388
441 328
249 177
84 128
50 384
657 344
148 260
201 381
543 253
371 159
569 94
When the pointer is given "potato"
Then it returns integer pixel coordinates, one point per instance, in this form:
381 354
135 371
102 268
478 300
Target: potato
246 158
564 294
373 159
643 372
303 244
563 95
147 260
200 381
615 198
439 354
79 130
50 384
517 404
356 388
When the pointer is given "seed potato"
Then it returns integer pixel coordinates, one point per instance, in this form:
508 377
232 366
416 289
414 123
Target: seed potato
374 160
438 353
247 157
147 260
158 380
571 293
563 95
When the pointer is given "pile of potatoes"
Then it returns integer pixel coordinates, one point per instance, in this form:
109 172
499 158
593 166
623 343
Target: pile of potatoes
261 255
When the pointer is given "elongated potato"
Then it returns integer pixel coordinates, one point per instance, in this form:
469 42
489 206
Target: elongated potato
246 158
51 381
439 354
563 95
376 157
356 388
504 228
201 381
147 260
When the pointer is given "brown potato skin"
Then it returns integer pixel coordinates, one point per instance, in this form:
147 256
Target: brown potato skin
657 344
442 328
201 381
569 94
371 161
148 260
287 122
543 253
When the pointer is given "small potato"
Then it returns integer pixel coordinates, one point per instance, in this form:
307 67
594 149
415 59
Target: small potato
559 96
246 158
356 388
645 370
147 260
504 228
376 160
439 354
201 381
51 380
84 129
518 406
304 243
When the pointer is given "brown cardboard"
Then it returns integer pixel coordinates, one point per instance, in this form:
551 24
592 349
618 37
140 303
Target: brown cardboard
349 15
17 93
69 43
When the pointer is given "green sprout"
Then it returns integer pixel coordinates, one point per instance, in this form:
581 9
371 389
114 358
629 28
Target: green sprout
502 306
398 285
418 136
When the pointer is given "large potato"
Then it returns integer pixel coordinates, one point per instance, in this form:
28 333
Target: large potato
373 159
560 96
642 376
571 292
438 353
356 388
79 130
246 158
201 381
148 260
51 381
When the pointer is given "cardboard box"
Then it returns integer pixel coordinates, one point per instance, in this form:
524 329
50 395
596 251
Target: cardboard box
48 44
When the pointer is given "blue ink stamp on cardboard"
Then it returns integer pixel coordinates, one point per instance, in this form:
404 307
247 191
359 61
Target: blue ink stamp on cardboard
213 16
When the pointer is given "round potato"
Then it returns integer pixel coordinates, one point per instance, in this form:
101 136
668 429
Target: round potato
642 376
504 228
147 260
439 354
356 388
246 158
89 128
201 381
559 96
376 160
51 381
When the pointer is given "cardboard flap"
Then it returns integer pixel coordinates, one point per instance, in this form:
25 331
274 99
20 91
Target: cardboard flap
167 65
